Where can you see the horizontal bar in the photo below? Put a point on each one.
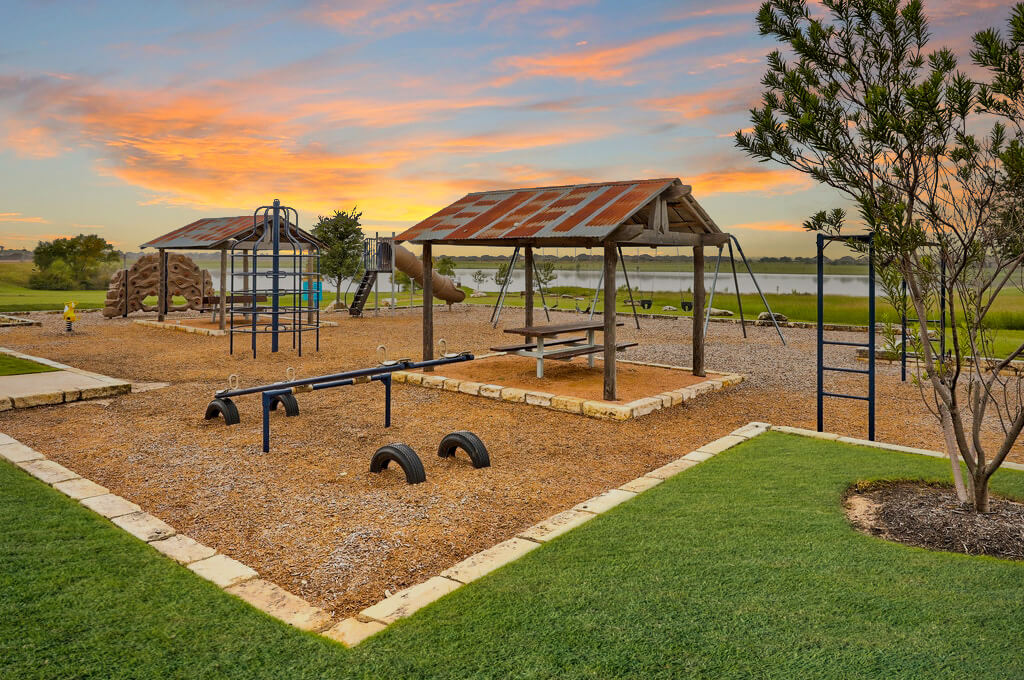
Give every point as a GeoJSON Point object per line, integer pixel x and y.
{"type": "Point", "coordinates": [845, 370]}
{"type": "Point", "coordinates": [374, 370]}
{"type": "Point", "coordinates": [844, 396]}
{"type": "Point", "coordinates": [846, 344]}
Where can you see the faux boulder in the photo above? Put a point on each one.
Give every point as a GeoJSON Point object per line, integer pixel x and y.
{"type": "Point", "coordinates": [669, 308]}
{"type": "Point", "coordinates": [767, 316]}
{"type": "Point", "coordinates": [714, 311]}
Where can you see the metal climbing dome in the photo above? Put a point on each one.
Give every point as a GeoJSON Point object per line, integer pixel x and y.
{"type": "Point", "coordinates": [276, 284]}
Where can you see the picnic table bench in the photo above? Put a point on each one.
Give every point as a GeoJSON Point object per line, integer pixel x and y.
{"type": "Point", "coordinates": [548, 337]}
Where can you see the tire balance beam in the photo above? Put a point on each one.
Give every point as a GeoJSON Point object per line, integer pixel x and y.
{"type": "Point", "coordinates": [283, 393]}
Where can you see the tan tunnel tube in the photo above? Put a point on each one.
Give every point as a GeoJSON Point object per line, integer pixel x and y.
{"type": "Point", "coordinates": [444, 288]}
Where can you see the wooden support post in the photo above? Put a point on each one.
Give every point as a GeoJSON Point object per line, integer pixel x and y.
{"type": "Point", "coordinates": [698, 309]}
{"type": "Point", "coordinates": [161, 302]}
{"type": "Point", "coordinates": [428, 305]}
{"type": "Point", "coordinates": [610, 260]}
{"type": "Point", "coordinates": [223, 287]}
{"type": "Point", "coordinates": [528, 286]}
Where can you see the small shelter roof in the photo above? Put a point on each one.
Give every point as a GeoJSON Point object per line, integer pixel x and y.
{"type": "Point", "coordinates": [651, 212]}
{"type": "Point", "coordinates": [215, 233]}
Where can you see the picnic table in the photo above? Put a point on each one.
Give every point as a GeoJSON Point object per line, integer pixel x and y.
{"type": "Point", "coordinates": [549, 344]}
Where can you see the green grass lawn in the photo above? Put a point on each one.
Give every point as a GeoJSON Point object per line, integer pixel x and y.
{"type": "Point", "coordinates": [10, 365]}
{"type": "Point", "coordinates": [741, 567]}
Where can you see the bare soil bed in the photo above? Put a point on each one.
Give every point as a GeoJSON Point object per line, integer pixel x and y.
{"type": "Point", "coordinates": [572, 379]}
{"type": "Point", "coordinates": [310, 516]}
{"type": "Point", "coordinates": [931, 516]}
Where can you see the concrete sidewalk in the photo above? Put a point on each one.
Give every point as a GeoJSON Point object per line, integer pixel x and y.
{"type": "Point", "coordinates": [66, 384]}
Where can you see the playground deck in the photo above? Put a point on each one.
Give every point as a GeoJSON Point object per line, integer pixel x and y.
{"type": "Point", "coordinates": [311, 518]}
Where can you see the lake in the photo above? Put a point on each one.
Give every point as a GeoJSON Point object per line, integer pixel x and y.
{"type": "Point", "coordinates": [835, 284]}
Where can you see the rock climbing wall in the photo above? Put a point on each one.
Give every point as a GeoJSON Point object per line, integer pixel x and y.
{"type": "Point", "coordinates": [184, 278]}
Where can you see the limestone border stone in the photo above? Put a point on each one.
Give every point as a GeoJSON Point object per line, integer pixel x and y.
{"type": "Point", "coordinates": [569, 404]}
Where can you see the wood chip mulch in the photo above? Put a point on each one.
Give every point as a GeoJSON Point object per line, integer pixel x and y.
{"type": "Point", "coordinates": [930, 516]}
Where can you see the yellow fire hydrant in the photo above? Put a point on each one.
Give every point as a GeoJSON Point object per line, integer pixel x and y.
{"type": "Point", "coordinates": [70, 316]}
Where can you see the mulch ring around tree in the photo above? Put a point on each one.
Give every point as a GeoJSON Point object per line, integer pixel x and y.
{"type": "Point", "coordinates": [929, 515]}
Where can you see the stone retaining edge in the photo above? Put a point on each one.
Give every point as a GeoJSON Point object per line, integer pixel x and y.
{"type": "Point", "coordinates": [576, 405]}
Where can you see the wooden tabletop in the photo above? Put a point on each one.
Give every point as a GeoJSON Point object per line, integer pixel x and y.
{"type": "Point", "coordinates": [558, 329]}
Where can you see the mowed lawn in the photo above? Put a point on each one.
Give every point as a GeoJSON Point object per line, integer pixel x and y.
{"type": "Point", "coordinates": [743, 566]}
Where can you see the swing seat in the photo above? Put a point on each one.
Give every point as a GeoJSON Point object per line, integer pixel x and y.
{"type": "Point", "coordinates": [686, 305]}
{"type": "Point", "coordinates": [647, 304]}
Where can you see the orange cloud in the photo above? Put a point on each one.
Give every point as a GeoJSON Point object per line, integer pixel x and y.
{"type": "Point", "coordinates": [745, 180]}
{"type": "Point", "coordinates": [768, 226]}
{"type": "Point", "coordinates": [608, 63]}
{"type": "Point", "coordinates": [18, 217]}
{"type": "Point", "coordinates": [703, 104]}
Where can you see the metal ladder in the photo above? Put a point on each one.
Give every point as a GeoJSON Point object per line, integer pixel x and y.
{"type": "Point", "coordinates": [823, 240]}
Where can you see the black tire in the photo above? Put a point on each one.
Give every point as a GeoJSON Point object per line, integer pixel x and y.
{"type": "Point", "coordinates": [290, 403]}
{"type": "Point", "coordinates": [468, 442]}
{"type": "Point", "coordinates": [406, 458]}
{"type": "Point", "coordinates": [223, 407]}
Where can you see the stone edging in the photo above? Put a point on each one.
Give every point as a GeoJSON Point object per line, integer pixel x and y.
{"type": "Point", "coordinates": [229, 574]}
{"type": "Point", "coordinates": [111, 387]}
{"type": "Point", "coordinates": [574, 405]}
{"type": "Point", "coordinates": [832, 436]}
{"type": "Point", "coordinates": [198, 330]}
{"type": "Point", "coordinates": [8, 320]}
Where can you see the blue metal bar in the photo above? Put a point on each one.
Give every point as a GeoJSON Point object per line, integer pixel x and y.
{"type": "Point", "coordinates": [275, 281]}
{"type": "Point", "coordinates": [821, 331]}
{"type": "Point", "coordinates": [362, 372]}
{"type": "Point", "coordinates": [871, 339]}
{"type": "Point", "coordinates": [862, 371]}
{"type": "Point", "coordinates": [848, 396]}
{"type": "Point", "coordinates": [386, 379]}
{"type": "Point", "coordinates": [844, 343]}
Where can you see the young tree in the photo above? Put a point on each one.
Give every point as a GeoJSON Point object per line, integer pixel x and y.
{"type": "Point", "coordinates": [478, 278]}
{"type": "Point", "coordinates": [546, 272]}
{"type": "Point", "coordinates": [501, 274]}
{"type": "Point", "coordinates": [864, 108]}
{"type": "Point", "coordinates": [343, 256]}
{"type": "Point", "coordinates": [445, 265]}
{"type": "Point", "coordinates": [402, 279]}
{"type": "Point", "coordinates": [85, 261]}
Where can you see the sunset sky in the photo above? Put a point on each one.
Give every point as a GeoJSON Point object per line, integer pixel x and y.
{"type": "Point", "coordinates": [131, 119]}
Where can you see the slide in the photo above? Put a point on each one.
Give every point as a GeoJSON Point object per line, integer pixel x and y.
{"type": "Point", "coordinates": [444, 288]}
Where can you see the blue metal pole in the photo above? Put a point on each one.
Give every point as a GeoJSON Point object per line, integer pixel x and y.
{"type": "Point", "coordinates": [266, 422]}
{"type": "Point", "coordinates": [386, 379]}
{"type": "Point", "coordinates": [275, 282]}
{"type": "Point", "coordinates": [871, 338]}
{"type": "Point", "coordinates": [821, 331]}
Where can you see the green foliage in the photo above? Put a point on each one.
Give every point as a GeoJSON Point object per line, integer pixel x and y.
{"type": "Point", "coordinates": [501, 274]}
{"type": "Point", "coordinates": [80, 263]}
{"type": "Point", "coordinates": [479, 277]}
{"type": "Point", "coordinates": [445, 265]}
{"type": "Point", "coordinates": [546, 272]}
{"type": "Point", "coordinates": [402, 279]}
{"type": "Point", "coordinates": [342, 258]}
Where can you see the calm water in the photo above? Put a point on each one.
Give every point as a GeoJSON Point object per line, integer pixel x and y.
{"type": "Point", "coordinates": [836, 284]}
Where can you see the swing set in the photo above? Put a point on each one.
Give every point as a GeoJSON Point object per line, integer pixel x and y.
{"type": "Point", "coordinates": [647, 302]}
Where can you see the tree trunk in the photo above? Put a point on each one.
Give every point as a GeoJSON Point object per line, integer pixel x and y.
{"type": "Point", "coordinates": [337, 295]}
{"type": "Point", "coordinates": [980, 492]}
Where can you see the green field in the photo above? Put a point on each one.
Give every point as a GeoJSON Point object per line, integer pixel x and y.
{"type": "Point", "coordinates": [741, 567]}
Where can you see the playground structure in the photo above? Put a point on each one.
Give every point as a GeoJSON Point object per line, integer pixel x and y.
{"type": "Point", "coordinates": [179, 275]}
{"type": "Point", "coordinates": [381, 255]}
{"type": "Point", "coordinates": [609, 215]}
{"type": "Point", "coordinates": [283, 393]}
{"type": "Point", "coordinates": [277, 252]}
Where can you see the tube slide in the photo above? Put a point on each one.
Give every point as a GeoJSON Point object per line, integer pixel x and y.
{"type": "Point", "coordinates": [444, 288]}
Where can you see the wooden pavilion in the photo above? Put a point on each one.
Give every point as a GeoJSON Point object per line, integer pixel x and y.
{"type": "Point", "coordinates": [651, 212]}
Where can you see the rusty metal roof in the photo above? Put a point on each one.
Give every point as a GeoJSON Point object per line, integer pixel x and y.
{"type": "Point", "coordinates": [584, 212]}
{"type": "Point", "coordinates": [211, 233]}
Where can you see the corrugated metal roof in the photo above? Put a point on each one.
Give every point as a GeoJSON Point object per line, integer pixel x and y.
{"type": "Point", "coordinates": [209, 233]}
{"type": "Point", "coordinates": [584, 211]}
